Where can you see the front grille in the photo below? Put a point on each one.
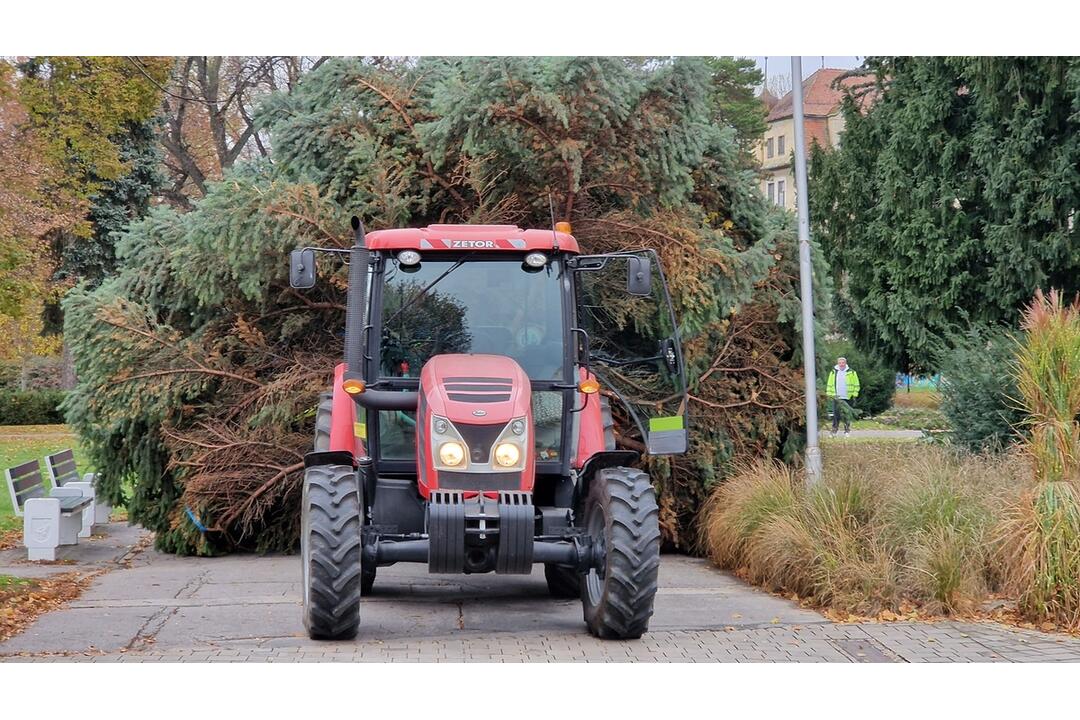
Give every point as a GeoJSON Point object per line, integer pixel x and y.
{"type": "Point", "coordinates": [479, 481]}
{"type": "Point", "coordinates": [479, 439]}
{"type": "Point", "coordinates": [478, 389]}
{"type": "Point", "coordinates": [486, 398]}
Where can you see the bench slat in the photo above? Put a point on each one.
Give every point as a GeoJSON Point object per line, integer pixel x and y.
{"type": "Point", "coordinates": [64, 476]}
{"type": "Point", "coordinates": [27, 482]}
{"type": "Point", "coordinates": [62, 465]}
{"type": "Point", "coordinates": [62, 457]}
{"type": "Point", "coordinates": [30, 468]}
{"type": "Point", "coordinates": [34, 492]}
{"type": "Point", "coordinates": [72, 503]}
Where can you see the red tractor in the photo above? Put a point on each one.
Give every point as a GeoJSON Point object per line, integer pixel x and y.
{"type": "Point", "coordinates": [466, 428]}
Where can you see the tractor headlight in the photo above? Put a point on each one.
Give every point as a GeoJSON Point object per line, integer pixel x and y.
{"type": "Point", "coordinates": [452, 454]}
{"type": "Point", "coordinates": [507, 454]}
{"type": "Point", "coordinates": [536, 260]}
{"type": "Point", "coordinates": [408, 257]}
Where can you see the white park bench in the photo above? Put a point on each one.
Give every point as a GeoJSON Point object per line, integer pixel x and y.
{"type": "Point", "coordinates": [50, 518]}
{"type": "Point", "coordinates": [62, 472]}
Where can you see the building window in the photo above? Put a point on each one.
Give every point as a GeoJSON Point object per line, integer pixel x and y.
{"type": "Point", "coordinates": [780, 146]}
{"type": "Point", "coordinates": [781, 196]}
{"type": "Point", "coordinates": [768, 148]}
{"type": "Point", "coordinates": [772, 192]}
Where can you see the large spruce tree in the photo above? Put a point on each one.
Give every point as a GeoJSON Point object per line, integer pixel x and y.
{"type": "Point", "coordinates": [199, 368]}
{"type": "Point", "coordinates": [952, 198]}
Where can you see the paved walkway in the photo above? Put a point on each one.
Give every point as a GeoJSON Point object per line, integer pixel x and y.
{"type": "Point", "coordinates": [874, 435]}
{"type": "Point", "coordinates": [151, 607]}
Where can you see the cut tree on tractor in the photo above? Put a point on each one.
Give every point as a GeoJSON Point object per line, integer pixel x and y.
{"type": "Point", "coordinates": [467, 429]}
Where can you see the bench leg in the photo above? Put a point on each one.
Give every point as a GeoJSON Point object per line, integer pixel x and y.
{"type": "Point", "coordinates": [87, 528]}
{"type": "Point", "coordinates": [86, 490]}
{"type": "Point", "coordinates": [70, 528]}
{"type": "Point", "coordinates": [102, 512]}
{"type": "Point", "coordinates": [41, 528]}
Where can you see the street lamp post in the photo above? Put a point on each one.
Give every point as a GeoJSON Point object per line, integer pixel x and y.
{"type": "Point", "coordinates": [813, 452]}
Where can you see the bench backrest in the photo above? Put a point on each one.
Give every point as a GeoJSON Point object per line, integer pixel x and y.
{"type": "Point", "coordinates": [25, 482]}
{"type": "Point", "coordinates": [62, 468]}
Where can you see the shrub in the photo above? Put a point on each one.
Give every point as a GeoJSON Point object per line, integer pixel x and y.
{"type": "Point", "coordinates": [978, 391]}
{"type": "Point", "coordinates": [39, 373]}
{"type": "Point", "coordinates": [890, 522]}
{"type": "Point", "coordinates": [734, 516]}
{"type": "Point", "coordinates": [1041, 536]}
{"type": "Point", "coordinates": [33, 407]}
{"type": "Point", "coordinates": [876, 380]}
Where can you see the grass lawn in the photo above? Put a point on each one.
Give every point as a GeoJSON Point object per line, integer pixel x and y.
{"type": "Point", "coordinates": [917, 398]}
{"type": "Point", "coordinates": [19, 443]}
{"type": "Point", "coordinates": [915, 410]}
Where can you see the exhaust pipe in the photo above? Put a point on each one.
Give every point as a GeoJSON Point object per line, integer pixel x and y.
{"type": "Point", "coordinates": [354, 304]}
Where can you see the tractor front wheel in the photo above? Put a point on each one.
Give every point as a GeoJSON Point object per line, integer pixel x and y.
{"type": "Point", "coordinates": [622, 520]}
{"type": "Point", "coordinates": [330, 551]}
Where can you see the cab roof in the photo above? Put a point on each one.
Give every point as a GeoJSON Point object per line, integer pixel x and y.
{"type": "Point", "coordinates": [470, 237]}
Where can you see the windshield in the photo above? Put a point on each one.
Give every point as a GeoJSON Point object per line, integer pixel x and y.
{"type": "Point", "coordinates": [480, 306]}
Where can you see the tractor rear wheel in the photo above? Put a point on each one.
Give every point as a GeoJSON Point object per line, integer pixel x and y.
{"type": "Point", "coordinates": [322, 421]}
{"type": "Point", "coordinates": [608, 421]}
{"type": "Point", "coordinates": [621, 516]}
{"type": "Point", "coordinates": [330, 551]}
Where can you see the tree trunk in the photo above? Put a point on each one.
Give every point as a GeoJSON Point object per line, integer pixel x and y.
{"type": "Point", "coordinates": [67, 369]}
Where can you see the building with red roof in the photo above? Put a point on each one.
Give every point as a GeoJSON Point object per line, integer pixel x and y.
{"type": "Point", "coordinates": [823, 94]}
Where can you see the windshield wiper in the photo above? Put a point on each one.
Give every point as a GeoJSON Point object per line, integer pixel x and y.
{"type": "Point", "coordinates": [423, 291]}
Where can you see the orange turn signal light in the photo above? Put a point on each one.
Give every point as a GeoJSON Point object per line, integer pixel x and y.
{"type": "Point", "coordinates": [589, 386]}
{"type": "Point", "coordinates": [563, 227]}
{"type": "Point", "coordinates": [353, 387]}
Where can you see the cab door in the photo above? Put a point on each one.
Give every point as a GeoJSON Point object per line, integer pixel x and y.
{"type": "Point", "coordinates": [628, 337]}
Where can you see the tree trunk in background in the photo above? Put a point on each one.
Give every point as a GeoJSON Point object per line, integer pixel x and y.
{"type": "Point", "coordinates": [67, 371]}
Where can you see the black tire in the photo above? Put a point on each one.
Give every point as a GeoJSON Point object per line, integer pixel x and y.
{"type": "Point", "coordinates": [322, 422]}
{"type": "Point", "coordinates": [562, 582]}
{"type": "Point", "coordinates": [608, 422]}
{"type": "Point", "coordinates": [330, 552]}
{"type": "Point", "coordinates": [621, 512]}
{"type": "Point", "coordinates": [322, 444]}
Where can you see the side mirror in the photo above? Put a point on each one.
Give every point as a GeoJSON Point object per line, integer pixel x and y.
{"type": "Point", "coordinates": [302, 269]}
{"type": "Point", "coordinates": [639, 276]}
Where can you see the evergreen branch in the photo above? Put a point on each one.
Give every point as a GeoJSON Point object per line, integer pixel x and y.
{"type": "Point", "coordinates": [183, 371]}
{"type": "Point", "coordinates": [429, 169]}
{"type": "Point", "coordinates": [227, 519]}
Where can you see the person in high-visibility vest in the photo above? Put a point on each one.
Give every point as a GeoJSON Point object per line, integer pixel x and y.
{"type": "Point", "coordinates": [843, 386]}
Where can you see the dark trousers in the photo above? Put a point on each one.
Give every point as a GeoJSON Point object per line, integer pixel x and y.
{"type": "Point", "coordinates": [841, 407]}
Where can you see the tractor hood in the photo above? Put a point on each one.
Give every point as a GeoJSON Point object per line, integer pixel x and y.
{"type": "Point", "coordinates": [475, 389]}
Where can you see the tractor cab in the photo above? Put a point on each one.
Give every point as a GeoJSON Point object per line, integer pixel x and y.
{"type": "Point", "coordinates": [471, 425]}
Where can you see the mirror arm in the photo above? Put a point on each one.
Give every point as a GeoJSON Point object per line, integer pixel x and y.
{"type": "Point", "coordinates": [335, 251]}
{"type": "Point", "coordinates": [586, 352]}
{"type": "Point", "coordinates": [622, 363]}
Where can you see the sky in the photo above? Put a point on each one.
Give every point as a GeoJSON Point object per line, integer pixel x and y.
{"type": "Point", "coordinates": [781, 64]}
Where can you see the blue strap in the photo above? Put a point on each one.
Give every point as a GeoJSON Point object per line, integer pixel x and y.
{"type": "Point", "coordinates": [194, 520]}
